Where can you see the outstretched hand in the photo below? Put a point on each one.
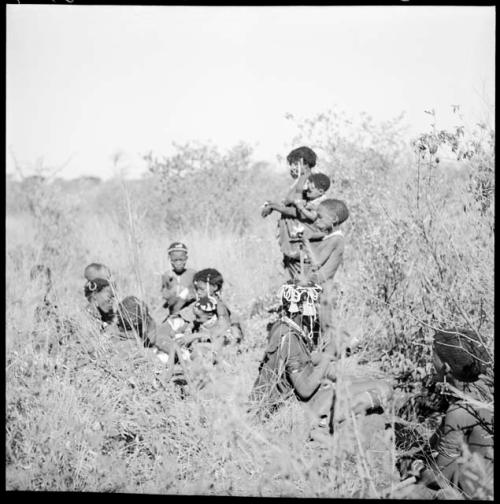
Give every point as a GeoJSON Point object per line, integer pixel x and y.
{"type": "Point", "coordinates": [266, 211]}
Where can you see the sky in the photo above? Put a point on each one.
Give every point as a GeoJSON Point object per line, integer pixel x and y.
{"type": "Point", "coordinates": [87, 82]}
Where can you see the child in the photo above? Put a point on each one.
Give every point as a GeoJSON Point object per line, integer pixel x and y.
{"type": "Point", "coordinates": [197, 341]}
{"type": "Point", "coordinates": [208, 282]}
{"type": "Point", "coordinates": [209, 329]}
{"type": "Point", "coordinates": [303, 210]}
{"type": "Point", "coordinates": [177, 284]}
{"type": "Point", "coordinates": [301, 161]}
{"type": "Point", "coordinates": [324, 256]}
{"type": "Point", "coordinates": [316, 187]}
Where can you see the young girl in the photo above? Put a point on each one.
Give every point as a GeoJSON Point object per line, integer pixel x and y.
{"type": "Point", "coordinates": [177, 284]}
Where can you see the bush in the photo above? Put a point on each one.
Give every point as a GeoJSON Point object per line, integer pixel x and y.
{"type": "Point", "coordinates": [202, 188]}
{"type": "Point", "coordinates": [419, 256]}
{"type": "Point", "coordinates": [419, 252]}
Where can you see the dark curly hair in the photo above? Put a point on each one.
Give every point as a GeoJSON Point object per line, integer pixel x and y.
{"type": "Point", "coordinates": [320, 181]}
{"type": "Point", "coordinates": [133, 314]}
{"type": "Point", "coordinates": [307, 155]}
{"type": "Point", "coordinates": [210, 275]}
{"type": "Point", "coordinates": [337, 209]}
{"type": "Point", "coordinates": [463, 352]}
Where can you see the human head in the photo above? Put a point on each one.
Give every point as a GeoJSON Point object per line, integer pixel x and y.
{"type": "Point", "coordinates": [317, 185]}
{"type": "Point", "coordinates": [459, 354]}
{"type": "Point", "coordinates": [133, 314]}
{"type": "Point", "coordinates": [97, 270]}
{"type": "Point", "coordinates": [331, 212]}
{"type": "Point", "coordinates": [300, 155]}
{"type": "Point", "coordinates": [297, 298]}
{"type": "Point", "coordinates": [205, 309]}
{"type": "Point", "coordinates": [207, 282]}
{"type": "Point", "coordinates": [178, 254]}
{"type": "Point", "coordinates": [41, 275]}
{"type": "Point", "coordinates": [100, 292]}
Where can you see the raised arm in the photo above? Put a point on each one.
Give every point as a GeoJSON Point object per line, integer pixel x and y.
{"type": "Point", "coordinates": [287, 211]}
{"type": "Point", "coordinates": [298, 187]}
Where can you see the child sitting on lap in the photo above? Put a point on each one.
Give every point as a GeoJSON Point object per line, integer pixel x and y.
{"type": "Point", "coordinates": [208, 283]}
{"type": "Point", "coordinates": [208, 329]}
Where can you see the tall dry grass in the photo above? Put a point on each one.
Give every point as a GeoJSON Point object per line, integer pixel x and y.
{"type": "Point", "coordinates": [81, 416]}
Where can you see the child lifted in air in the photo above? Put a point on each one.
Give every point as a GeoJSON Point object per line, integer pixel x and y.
{"type": "Point", "coordinates": [177, 285]}
{"type": "Point", "coordinates": [298, 214]}
{"type": "Point", "coordinates": [304, 207]}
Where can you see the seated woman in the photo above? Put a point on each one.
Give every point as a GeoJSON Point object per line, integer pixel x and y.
{"type": "Point", "coordinates": [464, 441]}
{"type": "Point", "coordinates": [291, 366]}
{"type": "Point", "coordinates": [204, 335]}
{"type": "Point", "coordinates": [101, 301]}
{"type": "Point", "coordinates": [208, 283]}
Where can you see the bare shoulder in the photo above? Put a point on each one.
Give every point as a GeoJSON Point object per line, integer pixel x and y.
{"type": "Point", "coordinates": [334, 241]}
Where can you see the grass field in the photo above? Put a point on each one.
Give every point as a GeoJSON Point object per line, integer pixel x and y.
{"type": "Point", "coordinates": [104, 423]}
{"type": "Point", "coordinates": [84, 417]}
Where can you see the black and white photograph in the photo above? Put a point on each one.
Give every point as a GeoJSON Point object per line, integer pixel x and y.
{"type": "Point", "coordinates": [250, 250]}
